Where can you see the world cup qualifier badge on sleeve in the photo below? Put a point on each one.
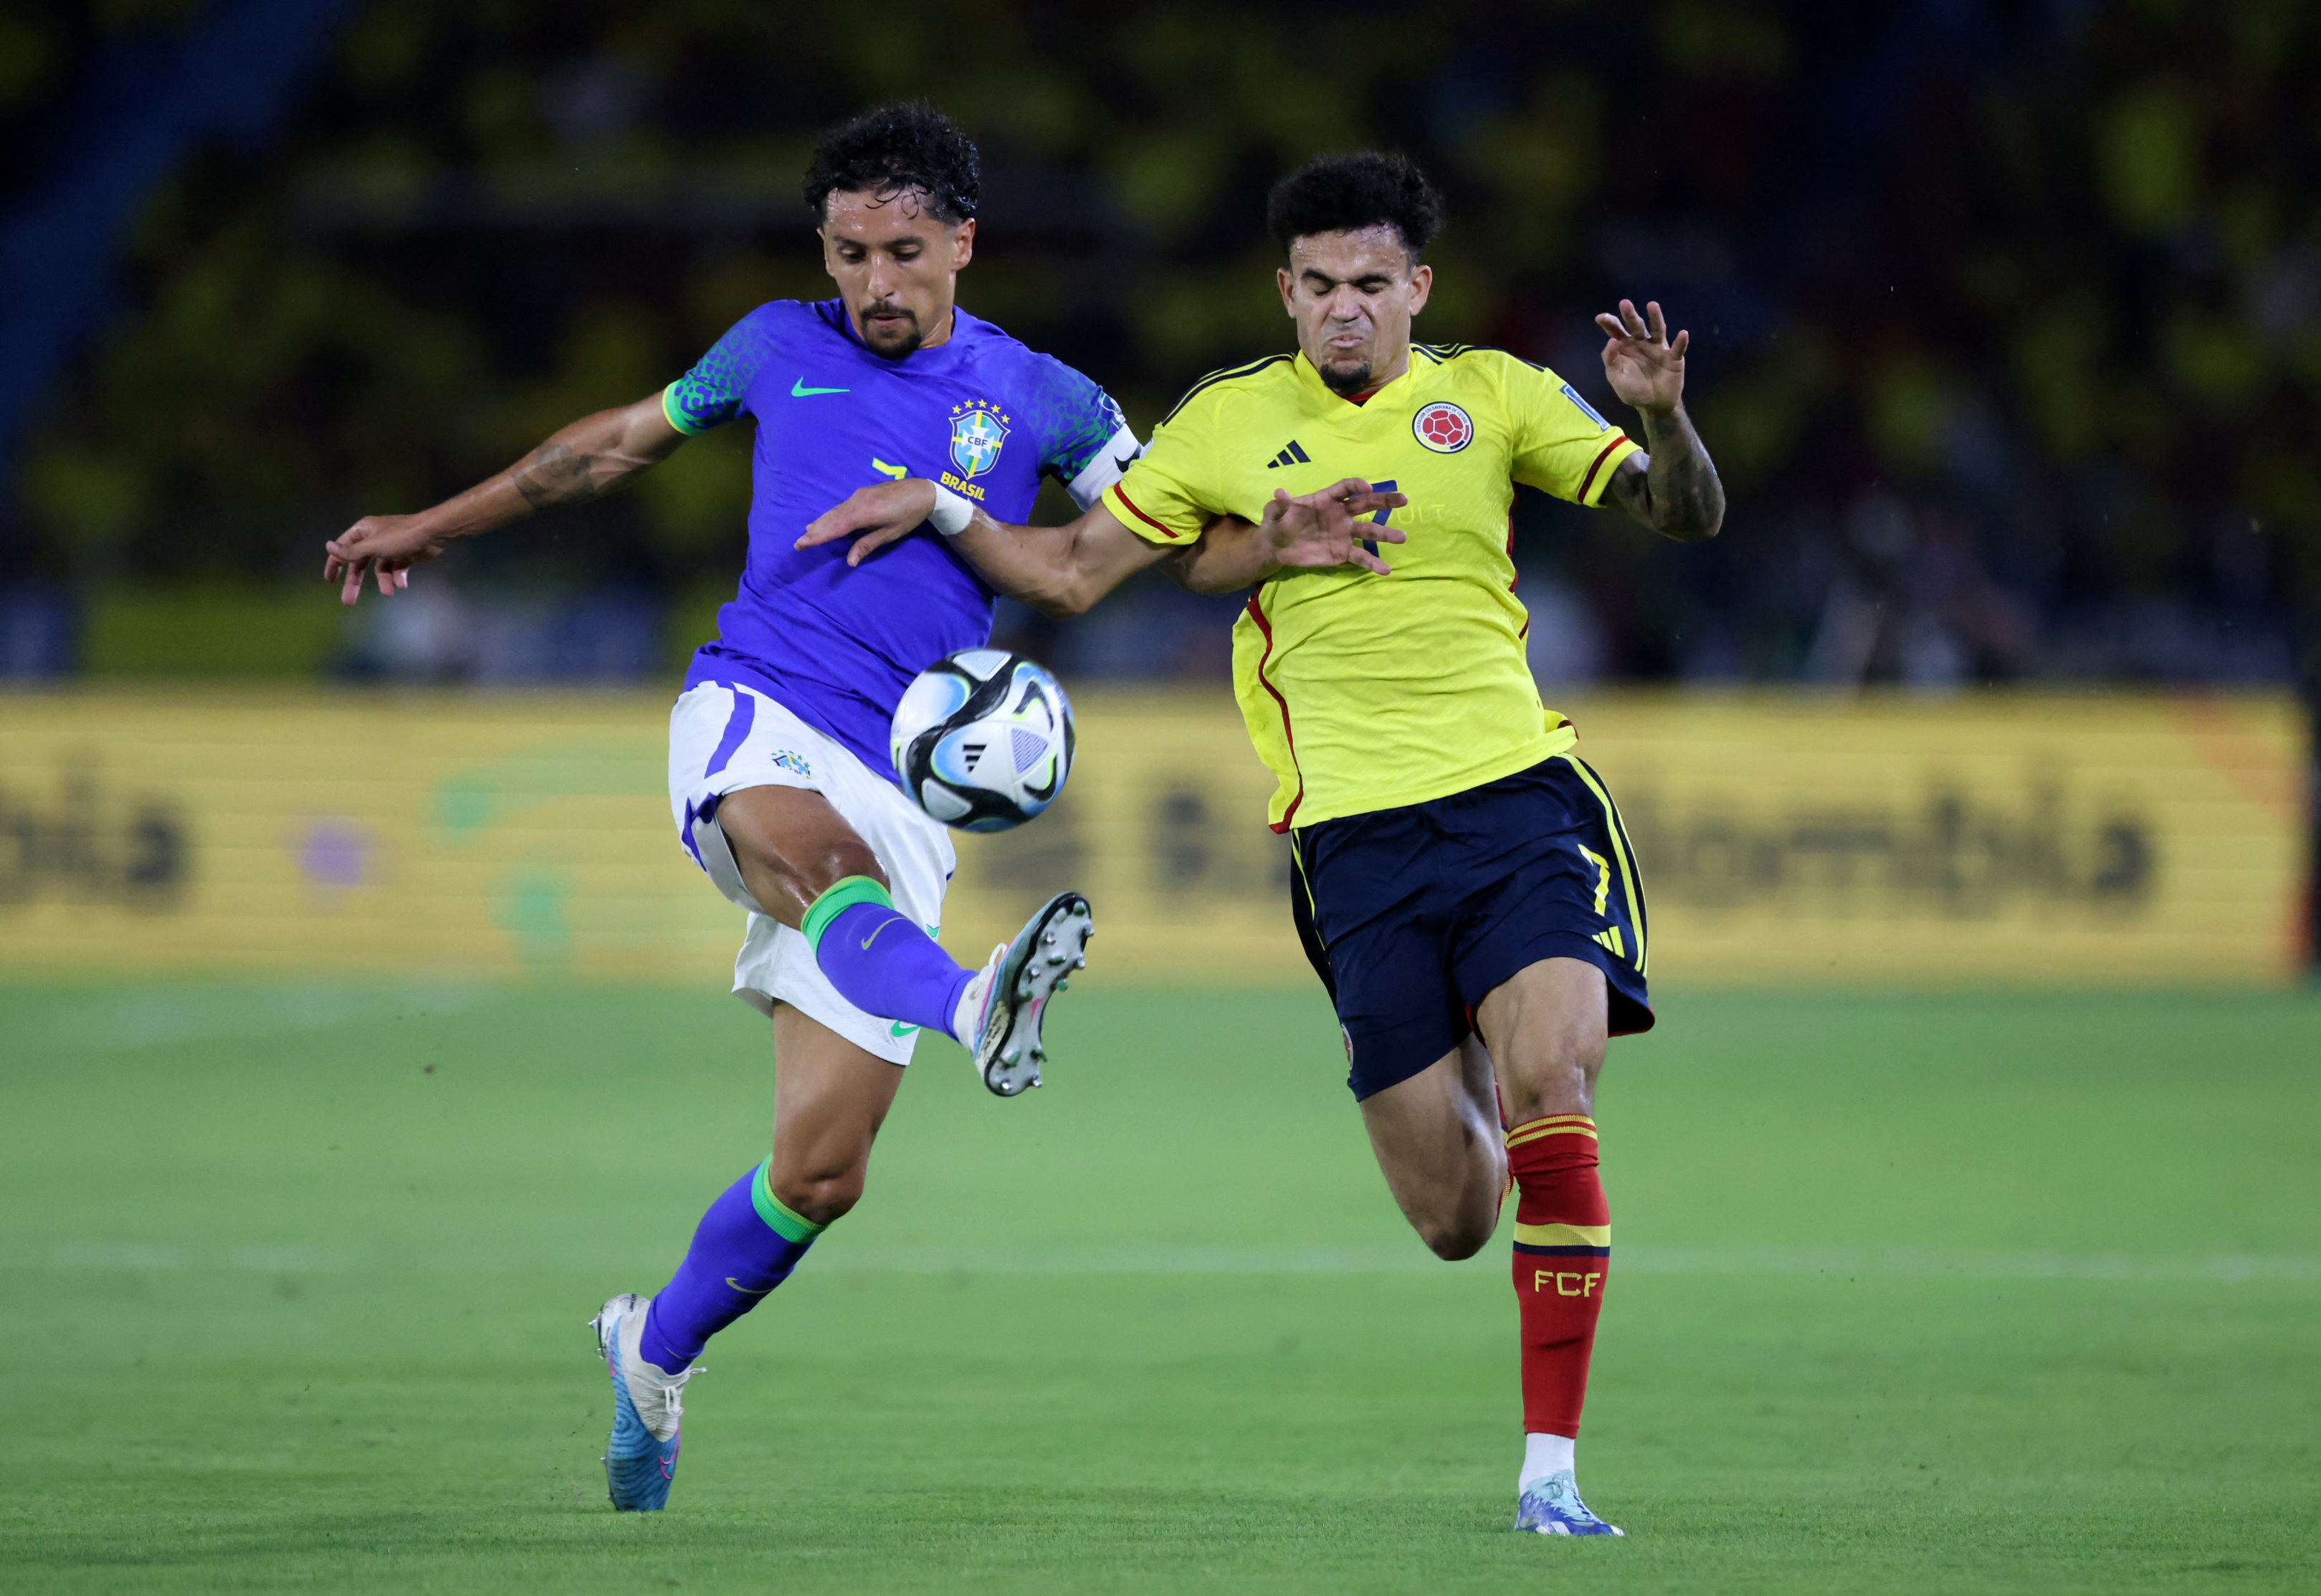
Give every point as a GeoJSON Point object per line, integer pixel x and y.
{"type": "Point", "coordinates": [978, 431]}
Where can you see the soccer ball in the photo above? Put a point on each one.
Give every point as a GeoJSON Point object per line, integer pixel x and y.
{"type": "Point", "coordinates": [983, 740]}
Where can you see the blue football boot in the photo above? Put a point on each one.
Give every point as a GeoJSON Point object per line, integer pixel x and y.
{"type": "Point", "coordinates": [1552, 1505]}
{"type": "Point", "coordinates": [647, 1404]}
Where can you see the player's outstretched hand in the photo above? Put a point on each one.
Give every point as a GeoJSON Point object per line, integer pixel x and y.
{"type": "Point", "coordinates": [882, 514]}
{"type": "Point", "coordinates": [1644, 366]}
{"type": "Point", "coordinates": [380, 548]}
{"type": "Point", "coordinates": [1324, 527]}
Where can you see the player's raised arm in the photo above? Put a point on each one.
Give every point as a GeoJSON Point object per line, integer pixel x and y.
{"type": "Point", "coordinates": [1063, 570]}
{"type": "Point", "coordinates": [1673, 487]}
{"type": "Point", "coordinates": [1302, 531]}
{"type": "Point", "coordinates": [1058, 570]}
{"type": "Point", "coordinates": [584, 461]}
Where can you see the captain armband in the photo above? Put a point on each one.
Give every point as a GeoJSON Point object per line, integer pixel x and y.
{"type": "Point", "coordinates": [951, 512]}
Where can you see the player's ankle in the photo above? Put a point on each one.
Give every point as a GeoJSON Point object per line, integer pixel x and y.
{"type": "Point", "coordinates": [1546, 1456]}
{"type": "Point", "coordinates": [967, 1007]}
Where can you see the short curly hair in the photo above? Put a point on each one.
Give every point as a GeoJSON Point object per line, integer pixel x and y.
{"type": "Point", "coordinates": [1342, 193]}
{"type": "Point", "coordinates": [900, 148]}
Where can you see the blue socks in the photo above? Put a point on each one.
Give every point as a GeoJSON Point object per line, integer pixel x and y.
{"type": "Point", "coordinates": [880, 961]}
{"type": "Point", "coordinates": [748, 1242]}
{"type": "Point", "coordinates": [746, 1245]}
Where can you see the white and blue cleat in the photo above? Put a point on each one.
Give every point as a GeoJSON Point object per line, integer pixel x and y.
{"type": "Point", "coordinates": [648, 1406]}
{"type": "Point", "coordinates": [1002, 1008]}
{"type": "Point", "coordinates": [1552, 1507]}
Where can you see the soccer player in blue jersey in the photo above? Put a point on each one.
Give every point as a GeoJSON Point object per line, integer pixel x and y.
{"type": "Point", "coordinates": [779, 781]}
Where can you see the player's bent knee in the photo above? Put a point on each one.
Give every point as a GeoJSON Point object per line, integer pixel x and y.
{"type": "Point", "coordinates": [819, 1197]}
{"type": "Point", "coordinates": [1460, 1229]}
{"type": "Point", "coordinates": [805, 869]}
{"type": "Point", "coordinates": [790, 845]}
{"type": "Point", "coordinates": [1455, 1240]}
{"type": "Point", "coordinates": [1563, 1085]}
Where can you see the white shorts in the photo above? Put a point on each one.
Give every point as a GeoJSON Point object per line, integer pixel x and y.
{"type": "Point", "coordinates": [723, 739]}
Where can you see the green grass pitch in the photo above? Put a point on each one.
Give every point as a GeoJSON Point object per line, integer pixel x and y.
{"type": "Point", "coordinates": [1909, 1294]}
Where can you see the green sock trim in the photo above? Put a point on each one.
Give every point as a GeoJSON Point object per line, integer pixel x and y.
{"type": "Point", "coordinates": [778, 1214]}
{"type": "Point", "coordinates": [837, 898]}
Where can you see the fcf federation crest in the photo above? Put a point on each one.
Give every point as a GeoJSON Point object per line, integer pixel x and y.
{"type": "Point", "coordinates": [978, 432]}
{"type": "Point", "coordinates": [1444, 427]}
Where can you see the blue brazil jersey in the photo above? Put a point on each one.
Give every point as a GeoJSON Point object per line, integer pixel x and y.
{"type": "Point", "coordinates": [979, 413]}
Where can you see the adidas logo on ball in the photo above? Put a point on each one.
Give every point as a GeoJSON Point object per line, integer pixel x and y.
{"type": "Point", "coordinates": [955, 713]}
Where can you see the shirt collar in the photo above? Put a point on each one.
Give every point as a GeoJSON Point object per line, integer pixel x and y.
{"type": "Point", "coordinates": [1387, 394]}
{"type": "Point", "coordinates": [963, 327]}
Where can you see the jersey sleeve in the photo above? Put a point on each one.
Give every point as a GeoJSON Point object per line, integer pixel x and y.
{"type": "Point", "coordinates": [1562, 446]}
{"type": "Point", "coordinates": [1170, 494]}
{"type": "Point", "coordinates": [1088, 442]}
{"type": "Point", "coordinates": [712, 392]}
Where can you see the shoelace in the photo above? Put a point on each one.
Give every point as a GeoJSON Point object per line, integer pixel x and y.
{"type": "Point", "coordinates": [676, 1389]}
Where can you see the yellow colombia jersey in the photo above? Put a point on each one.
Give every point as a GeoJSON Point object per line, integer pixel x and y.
{"type": "Point", "coordinates": [1365, 692]}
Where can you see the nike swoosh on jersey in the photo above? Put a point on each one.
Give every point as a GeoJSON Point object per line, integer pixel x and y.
{"type": "Point", "coordinates": [744, 1289]}
{"type": "Point", "coordinates": [1124, 461]}
{"type": "Point", "coordinates": [897, 472]}
{"type": "Point", "coordinates": [798, 390]}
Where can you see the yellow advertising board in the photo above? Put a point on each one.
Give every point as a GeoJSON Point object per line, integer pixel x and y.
{"type": "Point", "coordinates": [2040, 839]}
{"type": "Point", "coordinates": [1785, 841]}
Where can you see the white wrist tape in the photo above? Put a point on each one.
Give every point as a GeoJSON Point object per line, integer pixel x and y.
{"type": "Point", "coordinates": [951, 512]}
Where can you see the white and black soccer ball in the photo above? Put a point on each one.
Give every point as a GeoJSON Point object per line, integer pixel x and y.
{"type": "Point", "coordinates": [983, 740]}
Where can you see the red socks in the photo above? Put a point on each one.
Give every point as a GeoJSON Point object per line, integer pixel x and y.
{"type": "Point", "coordinates": [1563, 1252]}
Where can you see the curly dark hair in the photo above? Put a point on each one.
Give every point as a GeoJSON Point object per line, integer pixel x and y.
{"type": "Point", "coordinates": [1342, 193]}
{"type": "Point", "coordinates": [896, 149]}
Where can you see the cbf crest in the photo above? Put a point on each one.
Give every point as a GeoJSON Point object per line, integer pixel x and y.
{"type": "Point", "coordinates": [978, 431]}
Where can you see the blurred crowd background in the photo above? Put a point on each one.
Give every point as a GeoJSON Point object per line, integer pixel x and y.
{"type": "Point", "coordinates": [2007, 313]}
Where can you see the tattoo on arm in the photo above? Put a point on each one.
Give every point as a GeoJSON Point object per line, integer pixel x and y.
{"type": "Point", "coordinates": [1678, 493]}
{"type": "Point", "coordinates": [555, 473]}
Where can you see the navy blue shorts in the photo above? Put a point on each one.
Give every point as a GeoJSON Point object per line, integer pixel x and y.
{"type": "Point", "coordinates": [1412, 916]}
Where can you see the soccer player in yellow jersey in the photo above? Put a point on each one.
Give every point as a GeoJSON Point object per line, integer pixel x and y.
{"type": "Point", "coordinates": [1464, 884]}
